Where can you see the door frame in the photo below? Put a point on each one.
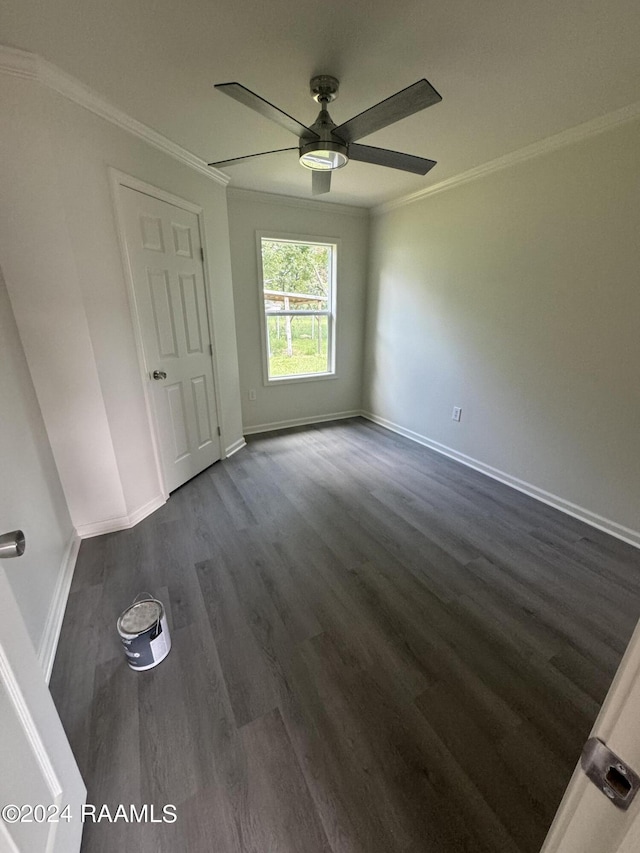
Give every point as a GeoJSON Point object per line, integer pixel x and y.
{"type": "Point", "coordinates": [118, 180]}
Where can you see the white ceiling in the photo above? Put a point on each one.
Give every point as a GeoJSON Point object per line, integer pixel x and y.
{"type": "Point", "coordinates": [510, 73]}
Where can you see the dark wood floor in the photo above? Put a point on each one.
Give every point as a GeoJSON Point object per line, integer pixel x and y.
{"type": "Point", "coordinates": [375, 650]}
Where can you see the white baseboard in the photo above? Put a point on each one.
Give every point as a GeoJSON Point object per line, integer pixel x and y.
{"type": "Point", "coordinates": [579, 512]}
{"type": "Point", "coordinates": [235, 447]}
{"type": "Point", "coordinates": [123, 522]}
{"type": "Point", "coordinates": [53, 625]}
{"type": "Point", "coordinates": [294, 422]}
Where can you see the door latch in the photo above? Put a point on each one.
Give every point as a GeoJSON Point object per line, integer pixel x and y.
{"type": "Point", "coordinates": [609, 773]}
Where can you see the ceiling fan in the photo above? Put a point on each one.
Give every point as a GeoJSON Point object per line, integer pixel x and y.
{"type": "Point", "coordinates": [325, 146]}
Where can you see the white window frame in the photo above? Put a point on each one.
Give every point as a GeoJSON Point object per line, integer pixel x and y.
{"type": "Point", "coordinates": [330, 312]}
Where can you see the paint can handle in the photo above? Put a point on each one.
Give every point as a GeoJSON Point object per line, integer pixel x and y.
{"type": "Point", "coordinates": [148, 595]}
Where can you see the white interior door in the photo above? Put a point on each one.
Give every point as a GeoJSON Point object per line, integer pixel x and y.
{"type": "Point", "coordinates": [165, 257]}
{"type": "Point", "coordinates": [39, 777]}
{"type": "Point", "coordinates": [587, 822]}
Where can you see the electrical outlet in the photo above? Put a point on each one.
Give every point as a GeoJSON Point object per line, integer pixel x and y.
{"type": "Point", "coordinates": [457, 413]}
{"type": "Point", "coordinates": [252, 394]}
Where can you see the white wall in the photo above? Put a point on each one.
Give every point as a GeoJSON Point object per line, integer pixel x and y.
{"type": "Point", "coordinates": [64, 275]}
{"type": "Point", "coordinates": [517, 297]}
{"type": "Point", "coordinates": [44, 288]}
{"type": "Point", "coordinates": [304, 401]}
{"type": "Point", "coordinates": [31, 496]}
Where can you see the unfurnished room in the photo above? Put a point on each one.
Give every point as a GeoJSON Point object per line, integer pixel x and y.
{"type": "Point", "coordinates": [319, 433]}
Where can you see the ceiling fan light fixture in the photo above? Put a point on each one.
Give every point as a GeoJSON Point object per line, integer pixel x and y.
{"type": "Point", "coordinates": [323, 156]}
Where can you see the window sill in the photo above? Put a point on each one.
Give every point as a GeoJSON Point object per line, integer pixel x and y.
{"type": "Point", "coordinates": [310, 377]}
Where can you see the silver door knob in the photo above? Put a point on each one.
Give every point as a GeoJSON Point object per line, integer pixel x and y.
{"type": "Point", "coordinates": [12, 544]}
{"type": "Point", "coordinates": [159, 374]}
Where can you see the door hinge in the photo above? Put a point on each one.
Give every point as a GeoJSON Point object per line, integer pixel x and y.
{"type": "Point", "coordinates": [219, 431]}
{"type": "Point", "coordinates": [609, 773]}
{"type": "Point", "coordinates": [210, 349]}
{"type": "Point", "coordinates": [201, 254]}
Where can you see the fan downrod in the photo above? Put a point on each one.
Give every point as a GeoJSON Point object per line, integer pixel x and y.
{"type": "Point", "coordinates": [324, 88]}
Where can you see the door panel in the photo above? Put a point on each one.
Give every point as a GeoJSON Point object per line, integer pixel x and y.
{"type": "Point", "coordinates": [151, 233]}
{"type": "Point", "coordinates": [178, 419]}
{"type": "Point", "coordinates": [192, 312]}
{"type": "Point", "coordinates": [201, 405]}
{"type": "Point", "coordinates": [164, 251]}
{"type": "Point", "coordinates": [586, 821]}
{"type": "Point", "coordinates": [38, 768]}
{"type": "Point", "coordinates": [182, 241]}
{"type": "Point", "coordinates": [164, 322]}
{"type": "Point", "coordinates": [30, 786]}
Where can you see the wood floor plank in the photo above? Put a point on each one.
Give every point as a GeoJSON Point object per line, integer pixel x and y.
{"type": "Point", "coordinates": [240, 514]}
{"type": "Point", "coordinates": [73, 677]}
{"type": "Point", "coordinates": [206, 822]}
{"type": "Point", "coordinates": [406, 609]}
{"type": "Point", "coordinates": [342, 756]}
{"type": "Point", "coordinates": [375, 650]}
{"type": "Point", "coordinates": [164, 735]}
{"type": "Point", "coordinates": [291, 602]}
{"type": "Point", "coordinates": [279, 814]}
{"type": "Point", "coordinates": [535, 765]}
{"type": "Point", "coordinates": [212, 816]}
{"type": "Point", "coordinates": [248, 668]}
{"type": "Point", "coordinates": [339, 609]}
{"type": "Point", "coordinates": [574, 626]}
{"type": "Point", "coordinates": [206, 716]}
{"type": "Point", "coordinates": [470, 747]}
{"type": "Point", "coordinates": [112, 771]}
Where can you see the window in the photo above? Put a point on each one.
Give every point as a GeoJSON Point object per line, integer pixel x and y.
{"type": "Point", "coordinates": [298, 299]}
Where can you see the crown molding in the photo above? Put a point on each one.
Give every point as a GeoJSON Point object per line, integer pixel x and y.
{"type": "Point", "coordinates": [291, 201]}
{"type": "Point", "coordinates": [20, 63]}
{"type": "Point", "coordinates": [543, 146]}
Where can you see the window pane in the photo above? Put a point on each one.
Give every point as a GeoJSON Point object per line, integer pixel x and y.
{"type": "Point", "coordinates": [298, 346]}
{"type": "Point", "coordinates": [299, 271]}
{"type": "Point", "coordinates": [297, 276]}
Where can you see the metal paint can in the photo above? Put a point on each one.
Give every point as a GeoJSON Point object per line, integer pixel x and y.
{"type": "Point", "coordinates": [144, 633]}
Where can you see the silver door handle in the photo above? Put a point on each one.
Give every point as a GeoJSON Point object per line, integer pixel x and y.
{"type": "Point", "coordinates": [159, 374]}
{"type": "Point", "coordinates": [12, 544]}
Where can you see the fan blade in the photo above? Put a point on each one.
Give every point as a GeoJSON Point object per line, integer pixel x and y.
{"type": "Point", "coordinates": [320, 182]}
{"type": "Point", "coordinates": [255, 102]}
{"type": "Point", "coordinates": [411, 100]}
{"type": "Point", "coordinates": [248, 157]}
{"type": "Point", "coordinates": [392, 159]}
